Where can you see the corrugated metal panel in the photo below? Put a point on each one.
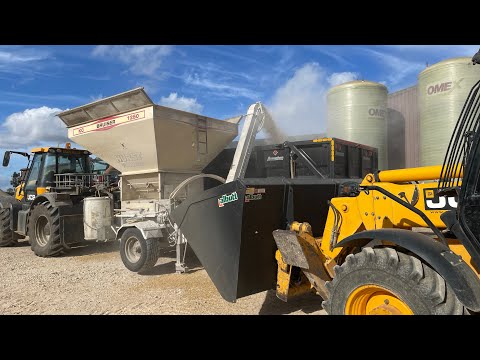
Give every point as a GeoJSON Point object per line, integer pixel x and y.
{"type": "Point", "coordinates": [403, 119]}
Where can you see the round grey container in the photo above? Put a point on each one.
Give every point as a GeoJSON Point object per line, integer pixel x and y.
{"type": "Point", "coordinates": [356, 111]}
{"type": "Point", "coordinates": [97, 218]}
{"type": "Point", "coordinates": [442, 91]}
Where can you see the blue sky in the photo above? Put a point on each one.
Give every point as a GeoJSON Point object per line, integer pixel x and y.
{"type": "Point", "coordinates": [36, 82]}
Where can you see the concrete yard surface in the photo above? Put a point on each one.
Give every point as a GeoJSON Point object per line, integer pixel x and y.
{"type": "Point", "coordinates": [92, 279]}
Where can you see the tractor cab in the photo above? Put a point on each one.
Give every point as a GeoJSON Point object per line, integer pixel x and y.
{"type": "Point", "coordinates": [50, 167]}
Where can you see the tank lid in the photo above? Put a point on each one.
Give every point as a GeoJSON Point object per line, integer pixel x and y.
{"type": "Point", "coordinates": [357, 84]}
{"type": "Point", "coordinates": [457, 60]}
{"type": "Point", "coordinates": [96, 198]}
{"type": "Point", "coordinates": [109, 106]}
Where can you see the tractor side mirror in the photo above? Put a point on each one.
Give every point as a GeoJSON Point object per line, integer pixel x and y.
{"type": "Point", "coordinates": [6, 158]}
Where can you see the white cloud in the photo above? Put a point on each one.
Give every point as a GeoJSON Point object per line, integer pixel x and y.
{"type": "Point", "coordinates": [96, 97]}
{"type": "Point", "coordinates": [33, 127]}
{"type": "Point", "coordinates": [220, 89]}
{"type": "Point", "coordinates": [17, 56]}
{"type": "Point", "coordinates": [445, 51]}
{"type": "Point", "coordinates": [405, 60]}
{"type": "Point", "coordinates": [215, 70]}
{"type": "Point", "coordinates": [298, 106]}
{"type": "Point", "coordinates": [42, 97]}
{"type": "Point", "coordinates": [399, 67]}
{"type": "Point", "coordinates": [19, 60]}
{"type": "Point", "coordinates": [96, 77]}
{"type": "Point", "coordinates": [342, 77]}
{"type": "Point", "coordinates": [141, 59]}
{"type": "Point", "coordinates": [332, 52]}
{"type": "Point", "coordinates": [231, 52]}
{"type": "Point", "coordinates": [181, 103]}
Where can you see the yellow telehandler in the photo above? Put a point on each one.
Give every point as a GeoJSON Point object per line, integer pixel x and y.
{"type": "Point", "coordinates": [401, 241]}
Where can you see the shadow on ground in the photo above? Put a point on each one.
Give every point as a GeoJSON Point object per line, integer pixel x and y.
{"type": "Point", "coordinates": [92, 248]}
{"type": "Point", "coordinates": [166, 265]}
{"type": "Point", "coordinates": [308, 303]}
{"type": "Point", "coordinates": [22, 243]}
{"type": "Point", "coordinates": [87, 248]}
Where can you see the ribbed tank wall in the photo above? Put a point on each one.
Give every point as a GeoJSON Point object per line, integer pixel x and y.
{"type": "Point", "coordinates": [442, 91]}
{"type": "Point", "coordinates": [356, 111]}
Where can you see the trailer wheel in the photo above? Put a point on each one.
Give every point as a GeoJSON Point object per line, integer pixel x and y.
{"type": "Point", "coordinates": [44, 230]}
{"type": "Point", "coordinates": [383, 281]}
{"type": "Point", "coordinates": [138, 254]}
{"type": "Point", "coordinates": [7, 237]}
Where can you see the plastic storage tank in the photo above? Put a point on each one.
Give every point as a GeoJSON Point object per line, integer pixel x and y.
{"type": "Point", "coordinates": [356, 111]}
{"type": "Point", "coordinates": [442, 91]}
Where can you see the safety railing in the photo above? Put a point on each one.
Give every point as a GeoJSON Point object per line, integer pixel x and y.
{"type": "Point", "coordinates": [70, 181]}
{"type": "Point", "coordinates": [460, 147]}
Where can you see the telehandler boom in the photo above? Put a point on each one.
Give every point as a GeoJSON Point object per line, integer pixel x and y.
{"type": "Point", "coordinates": [401, 241]}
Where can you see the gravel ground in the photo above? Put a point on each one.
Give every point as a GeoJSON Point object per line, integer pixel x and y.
{"type": "Point", "coordinates": [93, 280]}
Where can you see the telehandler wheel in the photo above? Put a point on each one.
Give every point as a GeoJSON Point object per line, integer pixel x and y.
{"type": "Point", "coordinates": [383, 281]}
{"type": "Point", "coordinates": [44, 230]}
{"type": "Point", "coordinates": [7, 236]}
{"type": "Point", "coordinates": [138, 254]}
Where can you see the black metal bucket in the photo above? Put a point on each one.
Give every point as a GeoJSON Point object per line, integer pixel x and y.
{"type": "Point", "coordinates": [230, 227]}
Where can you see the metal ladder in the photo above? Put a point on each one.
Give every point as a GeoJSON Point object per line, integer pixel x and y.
{"type": "Point", "coordinates": [201, 137]}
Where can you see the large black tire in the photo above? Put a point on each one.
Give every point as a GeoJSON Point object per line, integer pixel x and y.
{"type": "Point", "coordinates": [138, 254]}
{"type": "Point", "coordinates": [408, 278]}
{"type": "Point", "coordinates": [44, 230]}
{"type": "Point", "coordinates": [7, 237]}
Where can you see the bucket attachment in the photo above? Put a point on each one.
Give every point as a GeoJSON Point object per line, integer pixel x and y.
{"type": "Point", "coordinates": [229, 227]}
{"type": "Point", "coordinates": [303, 252]}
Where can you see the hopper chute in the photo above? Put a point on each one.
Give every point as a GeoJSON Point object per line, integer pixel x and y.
{"type": "Point", "coordinates": [136, 136]}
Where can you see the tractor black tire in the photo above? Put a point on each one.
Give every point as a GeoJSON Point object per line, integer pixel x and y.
{"type": "Point", "coordinates": [138, 254]}
{"type": "Point", "coordinates": [44, 230]}
{"type": "Point", "coordinates": [412, 281]}
{"type": "Point", "coordinates": [7, 236]}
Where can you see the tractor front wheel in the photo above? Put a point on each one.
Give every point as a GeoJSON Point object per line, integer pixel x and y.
{"type": "Point", "coordinates": [44, 230]}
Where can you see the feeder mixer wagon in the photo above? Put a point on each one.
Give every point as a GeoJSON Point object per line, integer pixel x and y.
{"type": "Point", "coordinates": [160, 153]}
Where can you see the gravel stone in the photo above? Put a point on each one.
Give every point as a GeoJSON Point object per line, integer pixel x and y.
{"type": "Point", "coordinates": [92, 279]}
